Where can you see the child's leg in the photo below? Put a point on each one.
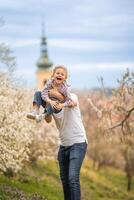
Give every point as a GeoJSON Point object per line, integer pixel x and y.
{"type": "Point", "coordinates": [37, 102]}
{"type": "Point", "coordinates": [49, 109]}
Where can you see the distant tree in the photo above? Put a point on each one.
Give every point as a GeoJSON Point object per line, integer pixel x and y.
{"type": "Point", "coordinates": [128, 155]}
{"type": "Point", "coordinates": [117, 119]}
{"type": "Point", "coordinates": [45, 143]}
{"type": "Point", "coordinates": [20, 139]}
{"type": "Point", "coordinates": [125, 109]}
{"type": "Point", "coordinates": [15, 131]}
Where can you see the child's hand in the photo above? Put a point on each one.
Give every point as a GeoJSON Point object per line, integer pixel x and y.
{"type": "Point", "coordinates": [53, 103]}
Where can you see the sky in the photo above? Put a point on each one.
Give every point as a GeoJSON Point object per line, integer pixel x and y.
{"type": "Point", "coordinates": [92, 38]}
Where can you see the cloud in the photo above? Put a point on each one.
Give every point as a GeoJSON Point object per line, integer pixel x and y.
{"type": "Point", "coordinates": [105, 66]}
{"type": "Point", "coordinates": [20, 43]}
{"type": "Point", "coordinates": [91, 18]}
{"type": "Point", "coordinates": [15, 4]}
{"type": "Point", "coordinates": [24, 72]}
{"type": "Point", "coordinates": [25, 77]}
{"type": "Point", "coordinates": [24, 43]}
{"type": "Point", "coordinates": [77, 31]}
{"type": "Point", "coordinates": [85, 44]}
{"type": "Point", "coordinates": [81, 75]}
{"type": "Point", "coordinates": [70, 44]}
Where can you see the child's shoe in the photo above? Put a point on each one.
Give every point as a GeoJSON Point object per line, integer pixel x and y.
{"type": "Point", "coordinates": [33, 114]}
{"type": "Point", "coordinates": [40, 117]}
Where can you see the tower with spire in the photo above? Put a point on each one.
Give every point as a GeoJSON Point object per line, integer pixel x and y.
{"type": "Point", "coordinates": [44, 65]}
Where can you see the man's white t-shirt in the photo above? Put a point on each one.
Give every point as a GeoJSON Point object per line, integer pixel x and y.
{"type": "Point", "coordinates": [69, 124]}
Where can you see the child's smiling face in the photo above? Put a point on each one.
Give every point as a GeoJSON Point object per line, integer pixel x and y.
{"type": "Point", "coordinates": [60, 76]}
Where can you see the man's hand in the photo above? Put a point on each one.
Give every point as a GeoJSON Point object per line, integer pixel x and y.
{"type": "Point", "coordinates": [52, 103]}
{"type": "Point", "coordinates": [59, 106]}
{"type": "Point", "coordinates": [72, 104]}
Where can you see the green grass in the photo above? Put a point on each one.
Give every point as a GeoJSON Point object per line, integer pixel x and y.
{"type": "Point", "coordinates": [106, 184]}
{"type": "Point", "coordinates": [43, 179]}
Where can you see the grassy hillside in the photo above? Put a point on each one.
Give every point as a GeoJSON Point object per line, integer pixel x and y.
{"type": "Point", "coordinates": [41, 181]}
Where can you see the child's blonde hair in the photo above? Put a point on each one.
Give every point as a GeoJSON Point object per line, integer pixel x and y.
{"type": "Point", "coordinates": [59, 67]}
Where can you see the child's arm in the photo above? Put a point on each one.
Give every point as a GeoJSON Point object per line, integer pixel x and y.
{"type": "Point", "coordinates": [44, 93]}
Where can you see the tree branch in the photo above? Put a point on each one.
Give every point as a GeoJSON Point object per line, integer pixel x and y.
{"type": "Point", "coordinates": [123, 121]}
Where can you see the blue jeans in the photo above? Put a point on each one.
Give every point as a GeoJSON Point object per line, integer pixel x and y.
{"type": "Point", "coordinates": [40, 102]}
{"type": "Point", "coordinates": [70, 160]}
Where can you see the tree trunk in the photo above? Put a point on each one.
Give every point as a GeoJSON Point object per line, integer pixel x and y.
{"type": "Point", "coordinates": [129, 183]}
{"type": "Point", "coordinates": [94, 164]}
{"type": "Point", "coordinates": [99, 166]}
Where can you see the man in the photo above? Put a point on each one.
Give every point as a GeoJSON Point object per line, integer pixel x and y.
{"type": "Point", "coordinates": [73, 146]}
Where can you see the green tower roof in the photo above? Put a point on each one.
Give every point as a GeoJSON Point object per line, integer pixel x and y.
{"type": "Point", "coordinates": [44, 61]}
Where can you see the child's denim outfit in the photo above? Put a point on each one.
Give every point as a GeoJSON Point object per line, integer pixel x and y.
{"type": "Point", "coordinates": [48, 109]}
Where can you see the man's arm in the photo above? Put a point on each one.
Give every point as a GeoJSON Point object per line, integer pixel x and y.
{"type": "Point", "coordinates": [71, 104]}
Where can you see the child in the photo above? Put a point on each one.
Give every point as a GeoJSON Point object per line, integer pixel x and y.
{"type": "Point", "coordinates": [55, 91]}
